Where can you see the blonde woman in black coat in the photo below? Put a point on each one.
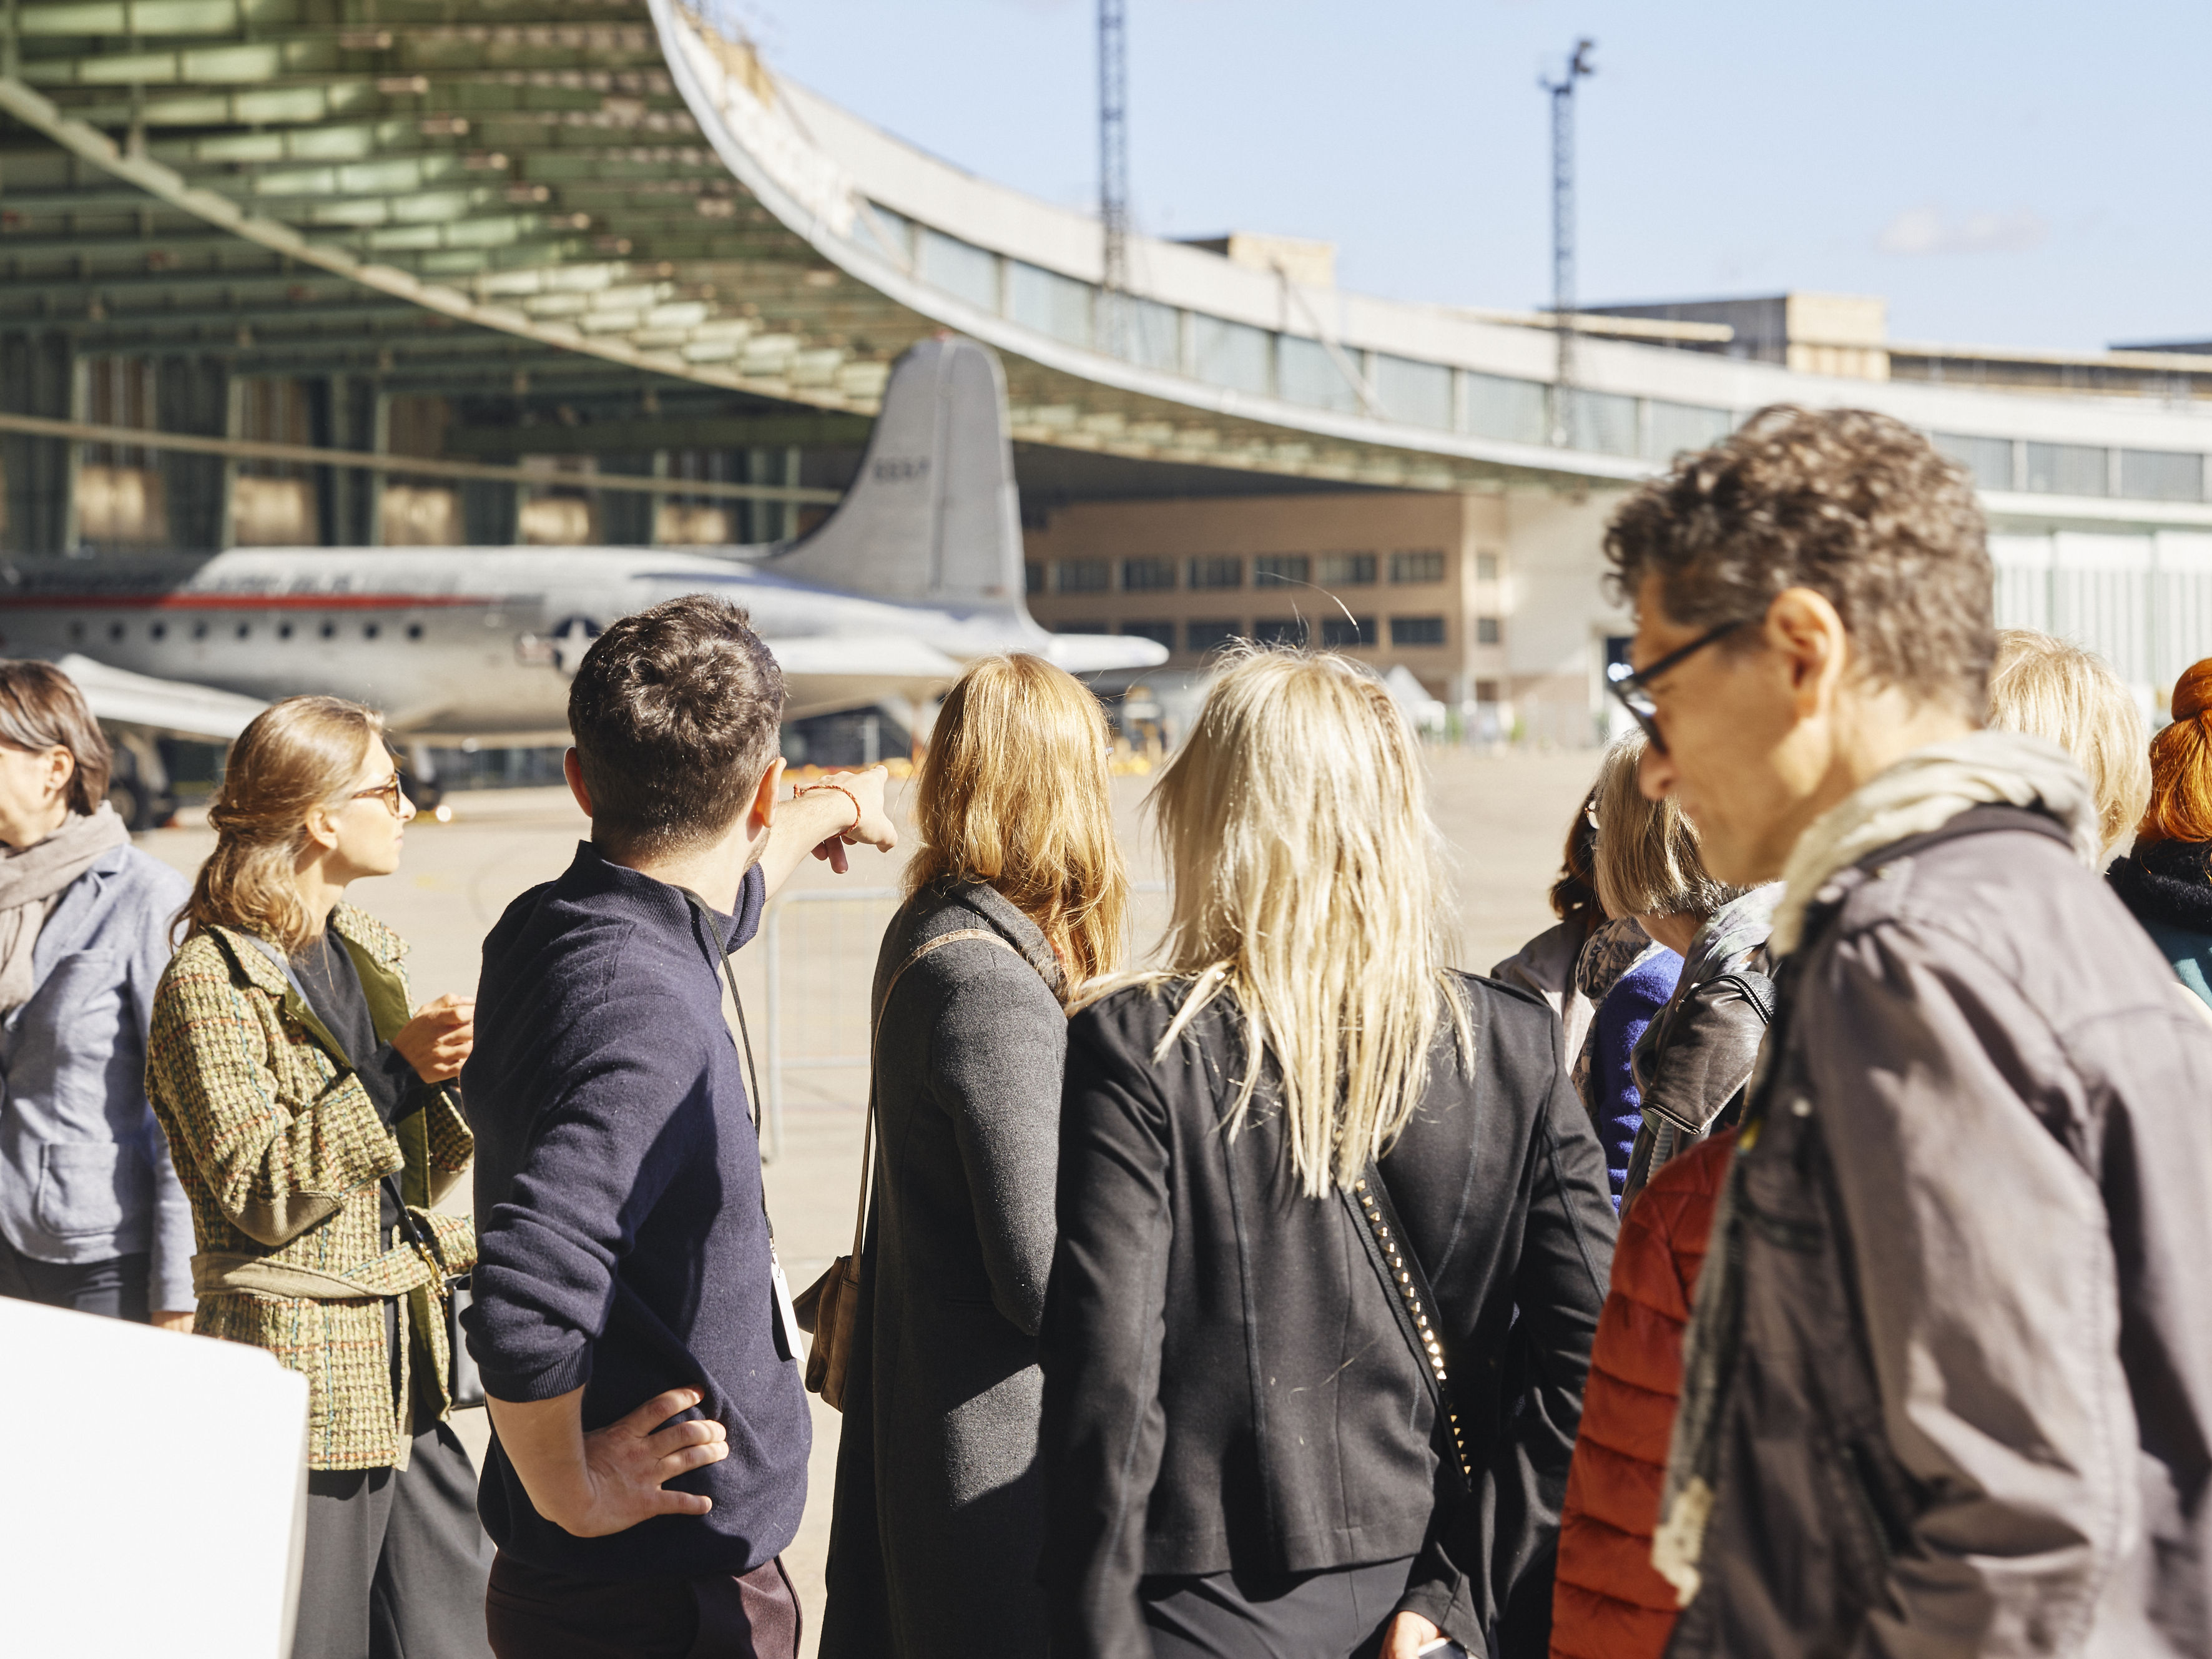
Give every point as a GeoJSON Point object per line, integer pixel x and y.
{"type": "Point", "coordinates": [1017, 898]}
{"type": "Point", "coordinates": [1242, 1453]}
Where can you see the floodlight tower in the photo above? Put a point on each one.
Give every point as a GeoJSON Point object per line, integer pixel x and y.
{"type": "Point", "coordinates": [1113, 176]}
{"type": "Point", "coordinates": [1562, 231]}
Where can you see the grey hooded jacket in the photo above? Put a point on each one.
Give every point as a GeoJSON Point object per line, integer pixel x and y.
{"type": "Point", "coordinates": [1964, 1405]}
{"type": "Point", "coordinates": [84, 1169]}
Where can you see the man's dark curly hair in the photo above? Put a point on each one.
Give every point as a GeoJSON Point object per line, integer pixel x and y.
{"type": "Point", "coordinates": [677, 712]}
{"type": "Point", "coordinates": [1856, 506]}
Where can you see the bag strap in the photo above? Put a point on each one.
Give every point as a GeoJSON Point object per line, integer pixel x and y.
{"type": "Point", "coordinates": [875, 1026]}
{"type": "Point", "coordinates": [1390, 1249]}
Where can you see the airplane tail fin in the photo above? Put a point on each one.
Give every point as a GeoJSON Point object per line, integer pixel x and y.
{"type": "Point", "coordinates": [932, 514]}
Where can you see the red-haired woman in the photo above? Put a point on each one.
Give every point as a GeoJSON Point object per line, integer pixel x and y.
{"type": "Point", "coordinates": [2167, 881]}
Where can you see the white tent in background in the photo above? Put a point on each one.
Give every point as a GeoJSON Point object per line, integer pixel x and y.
{"type": "Point", "coordinates": [1426, 713]}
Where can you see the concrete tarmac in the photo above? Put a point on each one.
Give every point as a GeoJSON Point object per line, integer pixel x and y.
{"type": "Point", "coordinates": [1503, 819]}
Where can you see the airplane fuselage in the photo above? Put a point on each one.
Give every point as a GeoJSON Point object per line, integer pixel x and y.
{"type": "Point", "coordinates": [465, 641]}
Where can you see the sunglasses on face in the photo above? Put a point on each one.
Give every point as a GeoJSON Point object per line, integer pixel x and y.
{"type": "Point", "coordinates": [389, 791]}
{"type": "Point", "coordinates": [1633, 689]}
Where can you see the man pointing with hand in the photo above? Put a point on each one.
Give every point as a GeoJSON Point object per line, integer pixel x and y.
{"type": "Point", "coordinates": [650, 1429]}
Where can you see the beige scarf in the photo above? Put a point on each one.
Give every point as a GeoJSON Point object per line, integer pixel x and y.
{"type": "Point", "coordinates": [1925, 790]}
{"type": "Point", "coordinates": [32, 881]}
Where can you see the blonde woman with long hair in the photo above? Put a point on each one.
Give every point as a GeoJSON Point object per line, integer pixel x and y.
{"type": "Point", "coordinates": [1017, 896]}
{"type": "Point", "coordinates": [299, 1095]}
{"type": "Point", "coordinates": [1242, 1453]}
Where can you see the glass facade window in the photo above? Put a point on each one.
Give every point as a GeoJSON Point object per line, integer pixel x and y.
{"type": "Point", "coordinates": [1342, 632]}
{"type": "Point", "coordinates": [1147, 575]}
{"type": "Point", "coordinates": [1600, 422]}
{"type": "Point", "coordinates": [1988, 459]}
{"type": "Point", "coordinates": [1498, 407]}
{"type": "Point", "coordinates": [1347, 570]}
{"type": "Point", "coordinates": [1032, 576]}
{"type": "Point", "coordinates": [1281, 569]}
{"type": "Point", "coordinates": [1489, 630]}
{"type": "Point", "coordinates": [1486, 567]}
{"type": "Point", "coordinates": [1486, 691]}
{"type": "Point", "coordinates": [2065, 469]}
{"type": "Point", "coordinates": [1155, 334]}
{"type": "Point", "coordinates": [1671, 428]}
{"type": "Point", "coordinates": [1232, 355]}
{"type": "Point", "coordinates": [1417, 393]}
{"type": "Point", "coordinates": [1049, 303]}
{"type": "Point", "coordinates": [1280, 630]}
{"type": "Point", "coordinates": [1217, 570]}
{"type": "Point", "coordinates": [1419, 567]}
{"type": "Point", "coordinates": [1204, 636]}
{"type": "Point", "coordinates": [1084, 576]}
{"type": "Point", "coordinates": [1159, 633]}
{"type": "Point", "coordinates": [2161, 475]}
{"type": "Point", "coordinates": [891, 232]}
{"type": "Point", "coordinates": [1416, 631]}
{"type": "Point", "coordinates": [1306, 373]}
{"type": "Point", "coordinates": [960, 268]}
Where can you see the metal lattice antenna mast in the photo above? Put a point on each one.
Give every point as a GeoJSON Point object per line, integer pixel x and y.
{"type": "Point", "coordinates": [1114, 176]}
{"type": "Point", "coordinates": [1563, 233]}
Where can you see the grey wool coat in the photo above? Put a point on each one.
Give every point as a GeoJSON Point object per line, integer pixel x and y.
{"type": "Point", "coordinates": [939, 1498]}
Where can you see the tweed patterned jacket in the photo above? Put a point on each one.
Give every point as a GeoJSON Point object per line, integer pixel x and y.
{"type": "Point", "coordinates": [280, 1153]}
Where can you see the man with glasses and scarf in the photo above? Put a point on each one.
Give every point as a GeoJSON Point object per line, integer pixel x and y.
{"type": "Point", "coordinates": [1947, 1385]}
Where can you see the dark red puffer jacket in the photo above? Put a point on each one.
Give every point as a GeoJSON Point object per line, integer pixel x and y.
{"type": "Point", "coordinates": [1607, 1602]}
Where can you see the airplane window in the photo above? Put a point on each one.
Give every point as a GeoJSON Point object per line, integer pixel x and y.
{"type": "Point", "coordinates": [76, 630]}
{"type": "Point", "coordinates": [245, 630]}
{"type": "Point", "coordinates": [283, 630]}
{"type": "Point", "coordinates": [199, 630]}
{"type": "Point", "coordinates": [330, 630]}
{"type": "Point", "coordinates": [115, 630]}
{"type": "Point", "coordinates": [414, 631]}
{"type": "Point", "coordinates": [369, 630]}
{"type": "Point", "coordinates": [160, 630]}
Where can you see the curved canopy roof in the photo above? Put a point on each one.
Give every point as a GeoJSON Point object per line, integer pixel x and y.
{"type": "Point", "coordinates": [460, 192]}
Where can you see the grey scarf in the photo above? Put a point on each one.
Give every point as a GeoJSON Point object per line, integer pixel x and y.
{"type": "Point", "coordinates": [33, 879]}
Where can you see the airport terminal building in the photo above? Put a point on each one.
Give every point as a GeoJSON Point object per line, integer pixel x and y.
{"type": "Point", "coordinates": [585, 272]}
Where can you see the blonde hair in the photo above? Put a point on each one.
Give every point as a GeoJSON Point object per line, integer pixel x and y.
{"type": "Point", "coordinates": [1647, 862]}
{"type": "Point", "coordinates": [295, 755]}
{"type": "Point", "coordinates": [2180, 793]}
{"type": "Point", "coordinates": [2047, 688]}
{"type": "Point", "coordinates": [1014, 793]}
{"type": "Point", "coordinates": [1307, 889]}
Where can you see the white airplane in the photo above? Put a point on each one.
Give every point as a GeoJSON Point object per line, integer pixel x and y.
{"type": "Point", "coordinates": [917, 570]}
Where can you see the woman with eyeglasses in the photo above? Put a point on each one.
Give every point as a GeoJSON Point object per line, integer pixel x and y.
{"type": "Point", "coordinates": [304, 1105]}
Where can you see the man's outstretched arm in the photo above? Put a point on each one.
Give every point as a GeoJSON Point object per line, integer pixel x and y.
{"type": "Point", "coordinates": [844, 808]}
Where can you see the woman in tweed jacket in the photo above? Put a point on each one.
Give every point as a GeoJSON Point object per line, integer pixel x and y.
{"type": "Point", "coordinates": [291, 1082]}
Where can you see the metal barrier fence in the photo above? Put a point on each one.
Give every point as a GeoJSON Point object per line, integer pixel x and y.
{"type": "Point", "coordinates": [818, 955]}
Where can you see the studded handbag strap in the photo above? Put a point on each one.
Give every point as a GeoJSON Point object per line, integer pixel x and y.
{"type": "Point", "coordinates": [1412, 1302]}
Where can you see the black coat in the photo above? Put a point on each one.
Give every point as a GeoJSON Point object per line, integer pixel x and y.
{"type": "Point", "coordinates": [1225, 1383]}
{"type": "Point", "coordinates": [932, 1547]}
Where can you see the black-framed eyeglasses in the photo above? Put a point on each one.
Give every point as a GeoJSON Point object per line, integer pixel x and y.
{"type": "Point", "coordinates": [389, 789]}
{"type": "Point", "coordinates": [1633, 689]}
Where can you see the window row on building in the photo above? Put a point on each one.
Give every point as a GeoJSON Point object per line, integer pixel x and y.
{"type": "Point", "coordinates": [1352, 381]}
{"type": "Point", "coordinates": [1224, 571]}
{"type": "Point", "coordinates": [2143, 475]}
{"type": "Point", "coordinates": [1336, 632]}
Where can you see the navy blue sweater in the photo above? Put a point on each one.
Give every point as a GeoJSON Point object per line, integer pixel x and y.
{"type": "Point", "coordinates": [618, 1203]}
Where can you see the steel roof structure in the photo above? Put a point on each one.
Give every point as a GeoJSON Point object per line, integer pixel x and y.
{"type": "Point", "coordinates": [442, 196]}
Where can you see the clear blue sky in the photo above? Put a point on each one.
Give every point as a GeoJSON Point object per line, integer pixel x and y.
{"type": "Point", "coordinates": [2025, 175]}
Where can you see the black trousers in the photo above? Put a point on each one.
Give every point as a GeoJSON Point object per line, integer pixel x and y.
{"type": "Point", "coordinates": [396, 1559]}
{"type": "Point", "coordinates": [548, 1615]}
{"type": "Point", "coordinates": [1316, 1615]}
{"type": "Point", "coordinates": [115, 1287]}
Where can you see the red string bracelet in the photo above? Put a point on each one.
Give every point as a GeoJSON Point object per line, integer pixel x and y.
{"type": "Point", "coordinates": [842, 790]}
